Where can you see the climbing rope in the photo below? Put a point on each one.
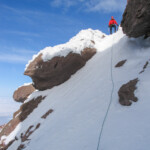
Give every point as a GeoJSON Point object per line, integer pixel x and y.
{"type": "Point", "coordinates": [108, 108]}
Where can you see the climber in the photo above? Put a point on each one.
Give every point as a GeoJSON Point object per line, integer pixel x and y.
{"type": "Point", "coordinates": [112, 24]}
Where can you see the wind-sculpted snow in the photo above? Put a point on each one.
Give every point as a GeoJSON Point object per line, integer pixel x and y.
{"type": "Point", "coordinates": [71, 115]}
{"type": "Point", "coordinates": [54, 65]}
{"type": "Point", "coordinates": [84, 39]}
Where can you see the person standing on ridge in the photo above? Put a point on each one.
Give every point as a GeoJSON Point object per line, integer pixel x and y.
{"type": "Point", "coordinates": [112, 24]}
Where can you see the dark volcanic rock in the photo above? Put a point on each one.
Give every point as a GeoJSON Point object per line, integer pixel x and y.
{"type": "Point", "coordinates": [56, 71]}
{"type": "Point", "coordinates": [25, 110]}
{"type": "Point", "coordinates": [136, 18]}
{"type": "Point", "coordinates": [120, 63]}
{"type": "Point", "coordinates": [145, 66]}
{"type": "Point", "coordinates": [30, 130]}
{"type": "Point", "coordinates": [47, 113]}
{"type": "Point", "coordinates": [22, 93]}
{"type": "Point", "coordinates": [126, 93]}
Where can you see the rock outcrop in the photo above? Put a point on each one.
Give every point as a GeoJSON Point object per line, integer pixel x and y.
{"type": "Point", "coordinates": [136, 18]}
{"type": "Point", "coordinates": [126, 93]}
{"type": "Point", "coordinates": [22, 93]}
{"type": "Point", "coordinates": [56, 71]}
{"type": "Point", "coordinates": [120, 63]}
{"type": "Point", "coordinates": [20, 115]}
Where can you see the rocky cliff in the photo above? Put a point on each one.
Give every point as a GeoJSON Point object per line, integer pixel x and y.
{"type": "Point", "coordinates": [136, 18]}
{"type": "Point", "coordinates": [56, 71]}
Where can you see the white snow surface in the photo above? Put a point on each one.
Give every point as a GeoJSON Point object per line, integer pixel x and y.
{"type": "Point", "coordinates": [84, 39]}
{"type": "Point", "coordinates": [80, 104]}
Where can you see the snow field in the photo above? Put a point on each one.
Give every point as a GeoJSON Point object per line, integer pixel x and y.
{"type": "Point", "coordinates": [80, 103]}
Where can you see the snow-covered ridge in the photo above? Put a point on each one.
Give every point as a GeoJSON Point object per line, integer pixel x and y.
{"type": "Point", "coordinates": [84, 39]}
{"type": "Point", "coordinates": [80, 104]}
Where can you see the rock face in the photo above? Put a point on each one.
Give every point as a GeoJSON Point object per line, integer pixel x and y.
{"type": "Point", "coordinates": [126, 93]}
{"type": "Point", "coordinates": [25, 110]}
{"type": "Point", "coordinates": [21, 94]}
{"type": "Point", "coordinates": [56, 71]}
{"type": "Point", "coordinates": [136, 18]}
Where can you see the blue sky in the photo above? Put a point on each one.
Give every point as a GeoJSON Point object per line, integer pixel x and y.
{"type": "Point", "coordinates": [27, 26]}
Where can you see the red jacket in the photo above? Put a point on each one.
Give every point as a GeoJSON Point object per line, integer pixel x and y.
{"type": "Point", "coordinates": [113, 22]}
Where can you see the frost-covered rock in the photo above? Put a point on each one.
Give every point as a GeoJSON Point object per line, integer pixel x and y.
{"type": "Point", "coordinates": [54, 65]}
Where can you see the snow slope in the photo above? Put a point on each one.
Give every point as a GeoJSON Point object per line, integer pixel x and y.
{"type": "Point", "coordinates": [81, 103]}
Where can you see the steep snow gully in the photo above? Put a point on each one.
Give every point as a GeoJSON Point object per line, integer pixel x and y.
{"type": "Point", "coordinates": [86, 112]}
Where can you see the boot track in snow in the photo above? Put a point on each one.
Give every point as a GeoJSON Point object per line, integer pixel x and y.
{"type": "Point", "coordinates": [107, 111]}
